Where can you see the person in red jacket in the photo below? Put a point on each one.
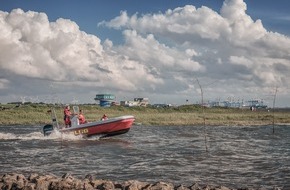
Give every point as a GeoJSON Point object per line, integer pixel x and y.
{"type": "Point", "coordinates": [67, 115]}
{"type": "Point", "coordinates": [104, 117]}
{"type": "Point", "coordinates": [81, 117]}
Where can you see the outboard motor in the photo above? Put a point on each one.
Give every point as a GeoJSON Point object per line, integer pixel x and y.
{"type": "Point", "coordinates": [47, 129]}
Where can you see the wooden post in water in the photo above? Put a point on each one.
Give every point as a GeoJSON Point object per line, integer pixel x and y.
{"type": "Point", "coordinates": [274, 109]}
{"type": "Point", "coordinates": [205, 139]}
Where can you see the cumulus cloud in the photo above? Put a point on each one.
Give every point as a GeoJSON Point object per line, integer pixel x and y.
{"type": "Point", "coordinates": [33, 48]}
{"type": "Point", "coordinates": [223, 46]}
{"type": "Point", "coordinates": [162, 53]}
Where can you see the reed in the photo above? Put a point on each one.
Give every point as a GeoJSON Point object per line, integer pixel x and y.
{"type": "Point", "coordinates": [188, 115]}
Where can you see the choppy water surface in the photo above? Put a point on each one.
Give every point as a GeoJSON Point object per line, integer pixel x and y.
{"type": "Point", "coordinates": [249, 156]}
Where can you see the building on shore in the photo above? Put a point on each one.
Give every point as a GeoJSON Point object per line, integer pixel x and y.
{"type": "Point", "coordinates": [136, 102]}
{"type": "Point", "coordinates": [256, 104]}
{"type": "Point", "coordinates": [105, 100]}
{"type": "Point", "coordinates": [239, 104]}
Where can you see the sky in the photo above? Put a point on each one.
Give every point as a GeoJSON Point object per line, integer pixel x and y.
{"type": "Point", "coordinates": [68, 51]}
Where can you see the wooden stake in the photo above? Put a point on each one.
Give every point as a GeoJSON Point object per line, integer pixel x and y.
{"type": "Point", "coordinates": [274, 109]}
{"type": "Point", "coordinates": [203, 113]}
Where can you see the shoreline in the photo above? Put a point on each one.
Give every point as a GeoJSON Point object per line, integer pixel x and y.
{"type": "Point", "coordinates": [188, 115]}
{"type": "Point", "coordinates": [36, 181]}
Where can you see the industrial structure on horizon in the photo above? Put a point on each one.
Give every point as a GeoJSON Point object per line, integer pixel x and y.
{"type": "Point", "coordinates": [106, 100]}
{"type": "Point", "coordinates": [136, 102]}
{"type": "Point", "coordinates": [238, 104]}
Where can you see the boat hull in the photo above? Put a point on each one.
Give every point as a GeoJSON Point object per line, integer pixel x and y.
{"type": "Point", "coordinates": [109, 127]}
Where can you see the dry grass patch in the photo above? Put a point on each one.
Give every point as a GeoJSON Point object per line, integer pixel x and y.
{"type": "Point", "coordinates": [180, 116]}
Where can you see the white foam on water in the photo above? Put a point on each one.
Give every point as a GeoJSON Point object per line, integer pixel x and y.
{"type": "Point", "coordinates": [93, 138]}
{"type": "Point", "coordinates": [55, 135]}
{"type": "Point", "coordinates": [29, 136]}
{"type": "Point", "coordinates": [7, 136]}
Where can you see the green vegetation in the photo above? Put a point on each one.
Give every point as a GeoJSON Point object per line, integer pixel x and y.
{"type": "Point", "coordinates": [28, 114]}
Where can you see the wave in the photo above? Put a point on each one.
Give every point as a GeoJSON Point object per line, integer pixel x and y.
{"type": "Point", "coordinates": [55, 135]}
{"type": "Point", "coordinates": [7, 136]}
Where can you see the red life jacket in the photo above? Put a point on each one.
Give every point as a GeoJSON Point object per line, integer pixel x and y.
{"type": "Point", "coordinates": [82, 119]}
{"type": "Point", "coordinates": [67, 115]}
